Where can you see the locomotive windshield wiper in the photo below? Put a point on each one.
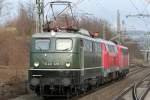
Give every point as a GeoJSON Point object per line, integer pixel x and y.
{"type": "Point", "coordinates": [66, 49]}
{"type": "Point", "coordinates": [39, 48]}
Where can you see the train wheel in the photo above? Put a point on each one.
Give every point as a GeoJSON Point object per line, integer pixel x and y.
{"type": "Point", "coordinates": [86, 88]}
{"type": "Point", "coordinates": [124, 76]}
{"type": "Point", "coordinates": [76, 91]}
{"type": "Point", "coordinates": [83, 88]}
{"type": "Point", "coordinates": [45, 97]}
{"type": "Point", "coordinates": [101, 81]}
{"type": "Point", "coordinates": [97, 84]}
{"type": "Point", "coordinates": [68, 95]}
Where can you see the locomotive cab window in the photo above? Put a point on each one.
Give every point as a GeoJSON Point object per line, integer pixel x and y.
{"type": "Point", "coordinates": [42, 44]}
{"type": "Point", "coordinates": [63, 44]}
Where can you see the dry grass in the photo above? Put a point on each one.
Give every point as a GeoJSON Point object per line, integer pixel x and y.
{"type": "Point", "coordinates": [10, 74]}
{"type": "Point", "coordinates": [14, 56]}
{"type": "Point", "coordinates": [13, 49]}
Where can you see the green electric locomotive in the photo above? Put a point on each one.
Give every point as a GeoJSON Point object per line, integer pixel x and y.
{"type": "Point", "coordinates": [64, 63]}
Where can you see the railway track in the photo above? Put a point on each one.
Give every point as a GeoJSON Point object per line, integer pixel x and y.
{"type": "Point", "coordinates": [136, 69]}
{"type": "Point", "coordinates": [103, 91]}
{"type": "Point", "coordinates": [136, 91]}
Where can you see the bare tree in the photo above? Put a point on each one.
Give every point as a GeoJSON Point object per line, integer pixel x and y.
{"type": "Point", "coordinates": [96, 25]}
{"type": "Point", "coordinates": [25, 21]}
{"type": "Point", "coordinates": [1, 6]}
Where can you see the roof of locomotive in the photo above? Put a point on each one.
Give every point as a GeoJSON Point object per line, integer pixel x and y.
{"type": "Point", "coordinates": [107, 42]}
{"type": "Point", "coordinates": [62, 32]}
{"type": "Point", "coordinates": [69, 35]}
{"type": "Point", "coordinates": [58, 34]}
{"type": "Point", "coordinates": [63, 35]}
{"type": "Point", "coordinates": [121, 46]}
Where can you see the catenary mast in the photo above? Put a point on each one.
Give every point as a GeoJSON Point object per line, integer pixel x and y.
{"type": "Point", "coordinates": [39, 15]}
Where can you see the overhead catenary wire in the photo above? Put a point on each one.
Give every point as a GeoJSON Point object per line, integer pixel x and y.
{"type": "Point", "coordinates": [145, 10]}
{"type": "Point", "coordinates": [145, 6]}
{"type": "Point", "coordinates": [138, 12]}
{"type": "Point", "coordinates": [133, 5]}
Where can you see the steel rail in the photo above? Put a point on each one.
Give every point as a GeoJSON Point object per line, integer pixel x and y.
{"type": "Point", "coordinates": [133, 88]}
{"type": "Point", "coordinates": [136, 85]}
{"type": "Point", "coordinates": [124, 92]}
{"type": "Point", "coordinates": [134, 92]}
{"type": "Point", "coordinates": [145, 94]}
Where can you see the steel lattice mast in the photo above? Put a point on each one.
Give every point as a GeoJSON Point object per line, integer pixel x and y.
{"type": "Point", "coordinates": [39, 15]}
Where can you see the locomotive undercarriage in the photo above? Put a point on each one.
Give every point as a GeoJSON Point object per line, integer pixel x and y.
{"type": "Point", "coordinates": [61, 90]}
{"type": "Point", "coordinates": [66, 83]}
{"type": "Point", "coordinates": [75, 84]}
{"type": "Point", "coordinates": [50, 90]}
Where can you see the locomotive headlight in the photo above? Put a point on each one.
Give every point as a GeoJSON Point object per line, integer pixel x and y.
{"type": "Point", "coordinates": [68, 64]}
{"type": "Point", "coordinates": [36, 64]}
{"type": "Point", "coordinates": [53, 33]}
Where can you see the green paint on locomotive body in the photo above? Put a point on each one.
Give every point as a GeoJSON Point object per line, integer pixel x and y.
{"type": "Point", "coordinates": [53, 59]}
{"type": "Point", "coordinates": [57, 59]}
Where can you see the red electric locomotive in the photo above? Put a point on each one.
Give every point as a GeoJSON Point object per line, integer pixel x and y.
{"type": "Point", "coordinates": [115, 59]}
{"type": "Point", "coordinates": [109, 54]}
{"type": "Point", "coordinates": [122, 58]}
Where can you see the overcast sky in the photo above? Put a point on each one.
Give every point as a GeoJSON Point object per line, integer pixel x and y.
{"type": "Point", "coordinates": [107, 9]}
